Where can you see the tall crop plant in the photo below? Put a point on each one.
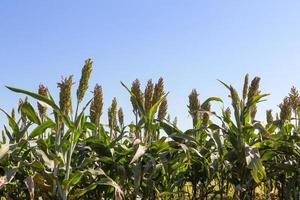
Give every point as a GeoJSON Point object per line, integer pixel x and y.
{"type": "Point", "coordinates": [65, 150]}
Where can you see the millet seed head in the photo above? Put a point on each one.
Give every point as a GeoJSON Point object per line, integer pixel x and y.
{"type": "Point", "coordinates": [228, 112]}
{"type": "Point", "coordinates": [269, 116]}
{"type": "Point", "coordinates": [253, 112]}
{"type": "Point", "coordinates": [112, 113]}
{"type": "Point", "coordinates": [205, 116]}
{"type": "Point", "coordinates": [96, 105]}
{"type": "Point", "coordinates": [110, 118]}
{"type": "Point", "coordinates": [194, 106]}
{"type": "Point", "coordinates": [245, 88]}
{"type": "Point", "coordinates": [136, 90]}
{"type": "Point", "coordinates": [65, 100]}
{"type": "Point", "coordinates": [294, 98]}
{"type": "Point", "coordinates": [253, 89]}
{"type": "Point", "coordinates": [149, 90]}
{"type": "Point", "coordinates": [194, 103]}
{"type": "Point", "coordinates": [121, 117]}
{"type": "Point", "coordinates": [162, 110]}
{"type": "Point", "coordinates": [85, 76]}
{"type": "Point", "coordinates": [285, 110]}
{"type": "Point", "coordinates": [234, 97]}
{"type": "Point", "coordinates": [158, 91]}
{"type": "Point", "coordinates": [44, 92]}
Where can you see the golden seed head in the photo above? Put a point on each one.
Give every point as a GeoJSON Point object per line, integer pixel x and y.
{"type": "Point", "coordinates": [269, 116]}
{"type": "Point", "coordinates": [112, 113]}
{"type": "Point", "coordinates": [194, 106]}
{"type": "Point", "coordinates": [158, 91]}
{"type": "Point", "coordinates": [44, 92]}
{"type": "Point", "coordinates": [131, 128]}
{"type": "Point", "coordinates": [3, 137]}
{"type": "Point", "coordinates": [136, 90]}
{"type": "Point", "coordinates": [85, 76]}
{"type": "Point", "coordinates": [65, 99]}
{"type": "Point", "coordinates": [285, 109]}
{"type": "Point", "coordinates": [205, 116]}
{"type": "Point", "coordinates": [294, 98]}
{"type": "Point", "coordinates": [245, 89]}
{"type": "Point", "coordinates": [96, 105]}
{"type": "Point", "coordinates": [121, 117]}
{"type": "Point", "coordinates": [194, 103]}
{"type": "Point", "coordinates": [162, 110]}
{"type": "Point", "coordinates": [253, 89]}
{"type": "Point", "coordinates": [234, 97]}
{"type": "Point", "coordinates": [228, 112]}
{"type": "Point", "coordinates": [110, 118]}
{"type": "Point", "coordinates": [114, 105]}
{"type": "Point", "coordinates": [253, 112]}
{"type": "Point", "coordinates": [149, 95]}
{"type": "Point", "coordinates": [13, 114]}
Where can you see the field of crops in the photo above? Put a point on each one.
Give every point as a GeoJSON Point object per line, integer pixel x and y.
{"type": "Point", "coordinates": [65, 150]}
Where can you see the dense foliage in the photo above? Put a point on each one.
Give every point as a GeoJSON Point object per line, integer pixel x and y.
{"type": "Point", "coordinates": [55, 152]}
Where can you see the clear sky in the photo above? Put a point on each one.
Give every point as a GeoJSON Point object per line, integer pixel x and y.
{"type": "Point", "coordinates": [189, 43]}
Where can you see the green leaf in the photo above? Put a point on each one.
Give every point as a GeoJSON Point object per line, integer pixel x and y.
{"type": "Point", "coordinates": [90, 126]}
{"type": "Point", "coordinates": [28, 110]}
{"type": "Point", "coordinates": [80, 192]}
{"type": "Point", "coordinates": [41, 128]}
{"type": "Point", "coordinates": [36, 96]}
{"type": "Point", "coordinates": [46, 100]}
{"type": "Point", "coordinates": [154, 108]}
{"type": "Point", "coordinates": [37, 165]}
{"type": "Point", "coordinates": [207, 101]}
{"type": "Point", "coordinates": [8, 134]}
{"type": "Point", "coordinates": [75, 178]}
{"type": "Point", "coordinates": [12, 123]}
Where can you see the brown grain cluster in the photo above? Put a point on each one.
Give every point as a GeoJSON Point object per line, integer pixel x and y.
{"type": "Point", "coordinates": [285, 110]}
{"type": "Point", "coordinates": [96, 105]}
{"type": "Point", "coordinates": [65, 99]}
{"type": "Point", "coordinates": [149, 90]}
{"type": "Point", "coordinates": [194, 106]}
{"type": "Point", "coordinates": [136, 90]}
{"type": "Point", "coordinates": [85, 76]}
{"type": "Point", "coordinates": [269, 116]}
{"type": "Point", "coordinates": [44, 92]}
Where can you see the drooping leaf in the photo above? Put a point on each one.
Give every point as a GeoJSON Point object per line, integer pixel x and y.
{"type": "Point", "coordinates": [207, 101]}
{"type": "Point", "coordinates": [36, 96]}
{"type": "Point", "coordinates": [7, 178]}
{"type": "Point", "coordinates": [80, 192]}
{"type": "Point", "coordinates": [30, 186]}
{"type": "Point", "coordinates": [4, 150]}
{"type": "Point", "coordinates": [139, 153]}
{"type": "Point", "coordinates": [254, 163]}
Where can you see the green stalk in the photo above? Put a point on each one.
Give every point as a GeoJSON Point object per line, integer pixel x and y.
{"type": "Point", "coordinates": [69, 156]}
{"type": "Point", "coordinates": [70, 152]}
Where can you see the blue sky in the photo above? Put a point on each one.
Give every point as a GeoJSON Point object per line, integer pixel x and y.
{"type": "Point", "coordinates": [189, 43]}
